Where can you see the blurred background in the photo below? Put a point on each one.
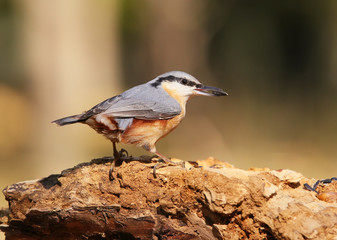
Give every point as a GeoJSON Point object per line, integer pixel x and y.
{"type": "Point", "coordinates": [277, 61]}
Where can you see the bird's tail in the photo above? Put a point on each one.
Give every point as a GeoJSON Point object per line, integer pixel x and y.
{"type": "Point", "coordinates": [68, 120]}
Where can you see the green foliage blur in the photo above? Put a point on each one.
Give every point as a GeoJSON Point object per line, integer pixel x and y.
{"type": "Point", "coordinates": [277, 61]}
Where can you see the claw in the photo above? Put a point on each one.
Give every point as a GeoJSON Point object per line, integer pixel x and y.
{"type": "Point", "coordinates": [159, 165]}
{"type": "Point", "coordinates": [111, 178]}
{"type": "Point", "coordinates": [155, 168]}
{"type": "Point", "coordinates": [123, 153]}
{"type": "Point", "coordinates": [113, 163]}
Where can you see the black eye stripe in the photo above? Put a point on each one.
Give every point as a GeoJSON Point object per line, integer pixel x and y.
{"type": "Point", "coordinates": [191, 84]}
{"type": "Point", "coordinates": [172, 78]}
{"type": "Point", "coordinates": [187, 82]}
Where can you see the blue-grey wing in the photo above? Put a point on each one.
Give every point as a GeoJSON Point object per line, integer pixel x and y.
{"type": "Point", "coordinates": [141, 102]}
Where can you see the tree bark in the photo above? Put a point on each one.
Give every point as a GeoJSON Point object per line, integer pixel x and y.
{"type": "Point", "coordinates": [205, 200]}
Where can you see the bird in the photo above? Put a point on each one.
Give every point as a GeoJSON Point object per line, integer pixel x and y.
{"type": "Point", "coordinates": [145, 113]}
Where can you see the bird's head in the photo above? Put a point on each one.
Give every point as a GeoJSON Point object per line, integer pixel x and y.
{"type": "Point", "coordinates": [183, 85]}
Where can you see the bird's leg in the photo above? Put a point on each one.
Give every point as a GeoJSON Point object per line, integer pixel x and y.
{"type": "Point", "coordinates": [113, 163]}
{"type": "Point", "coordinates": [118, 155]}
{"type": "Point", "coordinates": [167, 161]}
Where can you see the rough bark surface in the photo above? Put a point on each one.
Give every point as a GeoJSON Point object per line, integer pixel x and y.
{"type": "Point", "coordinates": [211, 201]}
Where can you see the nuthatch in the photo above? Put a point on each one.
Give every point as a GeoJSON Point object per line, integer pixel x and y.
{"type": "Point", "coordinates": [145, 113]}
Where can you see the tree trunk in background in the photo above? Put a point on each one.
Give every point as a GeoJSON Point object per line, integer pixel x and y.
{"type": "Point", "coordinates": [72, 57]}
{"type": "Point", "coordinates": [177, 40]}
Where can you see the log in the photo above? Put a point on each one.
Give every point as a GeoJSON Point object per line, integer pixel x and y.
{"type": "Point", "coordinates": [206, 199]}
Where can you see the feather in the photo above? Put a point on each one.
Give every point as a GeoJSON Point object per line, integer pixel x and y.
{"type": "Point", "coordinates": [141, 102]}
{"type": "Point", "coordinates": [67, 120]}
{"type": "Point", "coordinates": [124, 123]}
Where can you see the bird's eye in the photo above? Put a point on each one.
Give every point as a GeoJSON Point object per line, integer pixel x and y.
{"type": "Point", "coordinates": [190, 83]}
{"type": "Point", "coordinates": [184, 81]}
{"type": "Point", "coordinates": [198, 86]}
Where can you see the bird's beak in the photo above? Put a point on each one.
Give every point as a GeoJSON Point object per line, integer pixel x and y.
{"type": "Point", "coordinates": [210, 91]}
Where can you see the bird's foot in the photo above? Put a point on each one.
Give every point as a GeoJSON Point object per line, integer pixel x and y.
{"type": "Point", "coordinates": [123, 153]}
{"type": "Point", "coordinates": [167, 162]}
{"type": "Point", "coordinates": [111, 177]}
{"type": "Point", "coordinates": [117, 161]}
{"type": "Point", "coordinates": [122, 156]}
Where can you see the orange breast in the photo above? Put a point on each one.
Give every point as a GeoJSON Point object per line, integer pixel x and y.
{"type": "Point", "coordinates": [142, 133]}
{"type": "Point", "coordinates": [145, 133]}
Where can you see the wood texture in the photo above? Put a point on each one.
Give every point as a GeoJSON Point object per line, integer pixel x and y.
{"type": "Point", "coordinates": [211, 201]}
